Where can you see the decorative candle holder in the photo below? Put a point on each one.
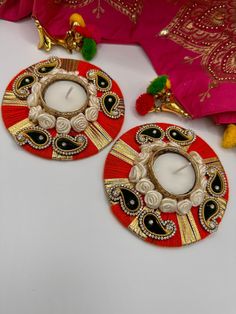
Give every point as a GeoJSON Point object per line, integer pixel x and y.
{"type": "Point", "coordinates": [63, 109]}
{"type": "Point", "coordinates": [166, 185]}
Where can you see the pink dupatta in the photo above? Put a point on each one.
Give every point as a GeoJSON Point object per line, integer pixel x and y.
{"type": "Point", "coordinates": [191, 41]}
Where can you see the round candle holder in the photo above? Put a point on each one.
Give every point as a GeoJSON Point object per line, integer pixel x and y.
{"type": "Point", "coordinates": [54, 125]}
{"type": "Point", "coordinates": [139, 199]}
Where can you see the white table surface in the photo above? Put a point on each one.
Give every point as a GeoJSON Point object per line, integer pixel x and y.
{"type": "Point", "coordinates": [61, 249]}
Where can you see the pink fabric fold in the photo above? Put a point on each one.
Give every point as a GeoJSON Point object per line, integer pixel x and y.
{"type": "Point", "coordinates": [14, 10]}
{"type": "Point", "coordinates": [198, 51]}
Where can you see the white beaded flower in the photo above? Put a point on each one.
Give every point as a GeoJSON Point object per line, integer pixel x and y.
{"type": "Point", "coordinates": [153, 199]}
{"type": "Point", "coordinates": [63, 125]}
{"type": "Point", "coordinates": [184, 207]}
{"type": "Point", "coordinates": [46, 120]}
{"type": "Point", "coordinates": [144, 186]}
{"type": "Point", "coordinates": [91, 114]}
{"type": "Point", "coordinates": [79, 123]}
{"type": "Point", "coordinates": [168, 205]}
{"type": "Point", "coordinates": [197, 197]}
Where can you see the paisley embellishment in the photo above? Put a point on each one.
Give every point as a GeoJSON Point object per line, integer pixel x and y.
{"type": "Point", "coordinates": [112, 105]}
{"type": "Point", "coordinates": [149, 133]}
{"type": "Point", "coordinates": [129, 199]}
{"type": "Point", "coordinates": [209, 211]}
{"type": "Point", "coordinates": [67, 145]}
{"type": "Point", "coordinates": [154, 227]}
{"type": "Point", "coordinates": [200, 26]}
{"type": "Point", "coordinates": [36, 137]}
{"type": "Point", "coordinates": [43, 68]}
{"type": "Point", "coordinates": [216, 185]}
{"type": "Point", "coordinates": [23, 83]}
{"type": "Point", "coordinates": [100, 79]}
{"type": "Point", "coordinates": [180, 136]}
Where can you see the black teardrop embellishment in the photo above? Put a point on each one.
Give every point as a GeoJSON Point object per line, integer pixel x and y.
{"type": "Point", "coordinates": [180, 136]}
{"type": "Point", "coordinates": [130, 200]}
{"type": "Point", "coordinates": [43, 68]}
{"type": "Point", "coordinates": [68, 145]}
{"type": "Point", "coordinates": [110, 102]}
{"type": "Point", "coordinates": [22, 84]}
{"type": "Point", "coordinates": [36, 137]}
{"type": "Point", "coordinates": [149, 133]}
{"type": "Point", "coordinates": [46, 69]}
{"type": "Point", "coordinates": [153, 225]}
{"type": "Point", "coordinates": [210, 209]}
{"type": "Point", "coordinates": [217, 183]}
{"type": "Point", "coordinates": [102, 82]}
{"type": "Point", "coordinates": [152, 132]}
{"type": "Point", "coordinates": [27, 80]}
{"type": "Point", "coordinates": [112, 105]}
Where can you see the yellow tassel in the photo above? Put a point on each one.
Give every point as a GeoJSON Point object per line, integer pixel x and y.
{"type": "Point", "coordinates": [77, 18]}
{"type": "Point", "coordinates": [168, 84]}
{"type": "Point", "coordinates": [229, 139]}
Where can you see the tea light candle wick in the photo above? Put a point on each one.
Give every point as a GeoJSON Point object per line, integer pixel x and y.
{"type": "Point", "coordinates": [183, 167]}
{"type": "Point", "coordinates": [68, 92]}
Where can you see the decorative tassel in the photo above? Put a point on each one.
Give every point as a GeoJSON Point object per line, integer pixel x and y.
{"type": "Point", "coordinates": [229, 138]}
{"type": "Point", "coordinates": [159, 98]}
{"type": "Point", "coordinates": [79, 37]}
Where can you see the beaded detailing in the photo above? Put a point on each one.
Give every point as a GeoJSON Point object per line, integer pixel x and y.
{"type": "Point", "coordinates": [207, 28]}
{"type": "Point", "coordinates": [130, 8]}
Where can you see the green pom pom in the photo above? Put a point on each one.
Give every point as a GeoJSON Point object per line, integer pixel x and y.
{"type": "Point", "coordinates": [157, 85]}
{"type": "Point", "coordinates": [89, 48]}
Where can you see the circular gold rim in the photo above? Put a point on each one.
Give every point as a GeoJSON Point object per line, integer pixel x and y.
{"type": "Point", "coordinates": [158, 186]}
{"type": "Point", "coordinates": [63, 77]}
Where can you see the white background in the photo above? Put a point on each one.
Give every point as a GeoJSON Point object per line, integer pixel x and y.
{"type": "Point", "coordinates": [61, 249]}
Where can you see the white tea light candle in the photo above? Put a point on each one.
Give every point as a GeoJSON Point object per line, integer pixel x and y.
{"type": "Point", "coordinates": [174, 173]}
{"type": "Point", "coordinates": [65, 96]}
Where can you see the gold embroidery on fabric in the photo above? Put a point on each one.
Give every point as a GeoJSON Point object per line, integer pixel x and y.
{"type": "Point", "coordinates": [131, 9]}
{"type": "Point", "coordinates": [208, 29]}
